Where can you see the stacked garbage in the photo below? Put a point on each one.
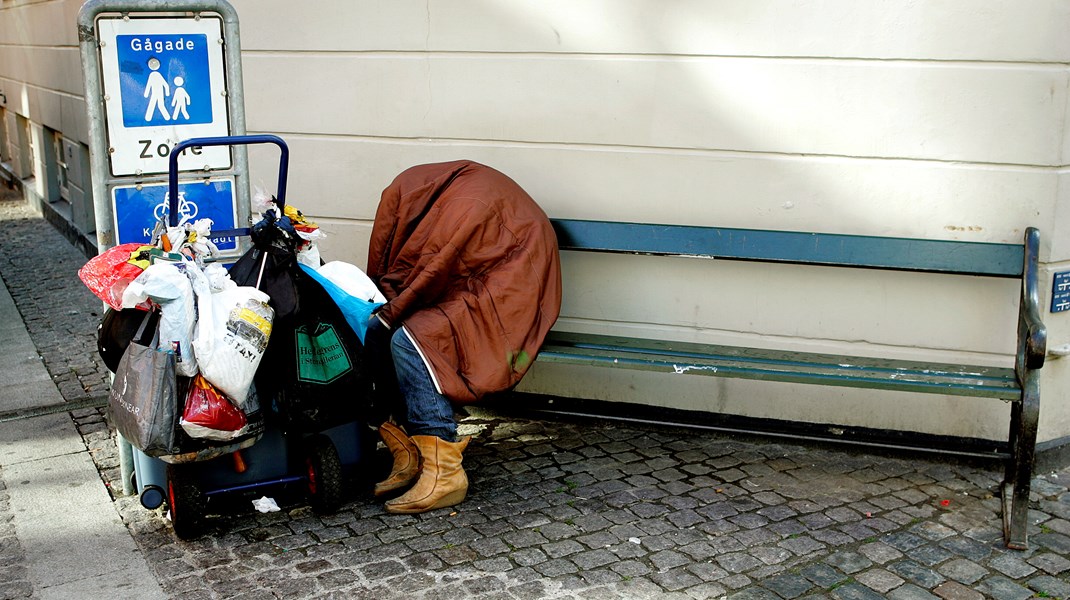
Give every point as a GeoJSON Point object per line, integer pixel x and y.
{"type": "Point", "coordinates": [197, 349]}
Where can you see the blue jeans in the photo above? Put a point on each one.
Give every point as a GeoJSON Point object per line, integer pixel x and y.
{"type": "Point", "coordinates": [426, 412]}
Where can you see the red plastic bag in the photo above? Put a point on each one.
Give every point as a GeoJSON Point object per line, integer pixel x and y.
{"type": "Point", "coordinates": [209, 415]}
{"type": "Point", "coordinates": [107, 274]}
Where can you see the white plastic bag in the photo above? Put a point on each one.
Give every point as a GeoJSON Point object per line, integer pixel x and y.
{"type": "Point", "coordinates": [198, 239]}
{"type": "Point", "coordinates": [167, 285]}
{"type": "Point", "coordinates": [191, 239]}
{"type": "Point", "coordinates": [266, 505]}
{"type": "Point", "coordinates": [218, 278]}
{"type": "Point", "coordinates": [352, 280]}
{"type": "Point", "coordinates": [233, 329]}
{"type": "Point", "coordinates": [309, 255]}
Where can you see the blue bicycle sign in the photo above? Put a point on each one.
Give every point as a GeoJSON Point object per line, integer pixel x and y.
{"type": "Point", "coordinates": [138, 209]}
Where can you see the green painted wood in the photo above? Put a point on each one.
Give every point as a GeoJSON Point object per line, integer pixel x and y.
{"type": "Point", "coordinates": [774, 365]}
{"type": "Point", "coordinates": [908, 254]}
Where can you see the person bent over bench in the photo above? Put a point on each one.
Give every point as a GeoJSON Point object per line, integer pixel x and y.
{"type": "Point", "coordinates": [469, 265]}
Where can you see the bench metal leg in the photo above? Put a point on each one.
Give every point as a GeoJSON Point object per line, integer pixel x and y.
{"type": "Point", "coordinates": [1016, 484]}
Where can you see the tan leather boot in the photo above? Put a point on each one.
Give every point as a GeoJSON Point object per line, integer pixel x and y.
{"type": "Point", "coordinates": [406, 460]}
{"type": "Point", "coordinates": [442, 481]}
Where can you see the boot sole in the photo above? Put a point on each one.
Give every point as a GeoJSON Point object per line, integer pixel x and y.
{"type": "Point", "coordinates": [451, 499]}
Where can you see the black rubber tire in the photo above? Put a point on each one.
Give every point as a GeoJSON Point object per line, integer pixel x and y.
{"type": "Point", "coordinates": [186, 502]}
{"type": "Point", "coordinates": [324, 474]}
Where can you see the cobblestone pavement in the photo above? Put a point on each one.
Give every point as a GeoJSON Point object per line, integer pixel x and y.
{"type": "Point", "coordinates": [568, 509]}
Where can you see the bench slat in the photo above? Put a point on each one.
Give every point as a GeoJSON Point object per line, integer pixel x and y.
{"type": "Point", "coordinates": [772, 365]}
{"type": "Point", "coordinates": [827, 249]}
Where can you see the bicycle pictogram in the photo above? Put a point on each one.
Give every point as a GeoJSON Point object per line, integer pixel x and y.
{"type": "Point", "coordinates": [186, 210]}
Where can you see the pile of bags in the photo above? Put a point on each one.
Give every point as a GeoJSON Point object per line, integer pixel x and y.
{"type": "Point", "coordinates": [194, 347]}
{"type": "Point", "coordinates": [313, 373]}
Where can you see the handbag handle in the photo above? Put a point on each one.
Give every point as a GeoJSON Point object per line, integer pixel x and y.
{"type": "Point", "coordinates": [141, 331]}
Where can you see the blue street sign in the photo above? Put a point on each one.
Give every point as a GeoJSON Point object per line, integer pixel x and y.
{"type": "Point", "coordinates": [164, 79]}
{"type": "Point", "coordinates": [138, 210]}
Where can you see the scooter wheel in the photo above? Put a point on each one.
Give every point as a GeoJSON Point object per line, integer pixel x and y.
{"type": "Point", "coordinates": [186, 502]}
{"type": "Point", "coordinates": [324, 473]}
{"type": "Point", "coordinates": [151, 497]}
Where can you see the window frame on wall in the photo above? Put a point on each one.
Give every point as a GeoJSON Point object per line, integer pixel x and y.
{"type": "Point", "coordinates": [62, 173]}
{"type": "Point", "coordinates": [25, 148]}
{"type": "Point", "coordinates": [5, 139]}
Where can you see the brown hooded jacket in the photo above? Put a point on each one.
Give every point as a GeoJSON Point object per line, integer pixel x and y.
{"type": "Point", "coordinates": [469, 265]}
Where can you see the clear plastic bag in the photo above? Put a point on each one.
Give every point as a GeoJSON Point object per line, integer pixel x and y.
{"type": "Point", "coordinates": [166, 284]}
{"type": "Point", "coordinates": [233, 329]}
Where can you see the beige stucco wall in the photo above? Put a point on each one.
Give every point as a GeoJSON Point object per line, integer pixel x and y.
{"type": "Point", "coordinates": [942, 120]}
{"type": "Point", "coordinates": [937, 121]}
{"type": "Point", "coordinates": [40, 72]}
{"type": "Point", "coordinates": [41, 83]}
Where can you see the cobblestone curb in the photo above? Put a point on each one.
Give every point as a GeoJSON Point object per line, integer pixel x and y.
{"type": "Point", "coordinates": [40, 268]}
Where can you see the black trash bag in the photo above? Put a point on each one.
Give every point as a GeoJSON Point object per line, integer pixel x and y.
{"type": "Point", "coordinates": [117, 328]}
{"type": "Point", "coordinates": [313, 374]}
{"type": "Point", "coordinates": [314, 371]}
{"type": "Point", "coordinates": [271, 273]}
{"type": "Point", "coordinates": [270, 263]}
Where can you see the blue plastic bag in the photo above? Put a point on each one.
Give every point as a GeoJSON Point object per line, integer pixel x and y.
{"type": "Point", "coordinates": [356, 310]}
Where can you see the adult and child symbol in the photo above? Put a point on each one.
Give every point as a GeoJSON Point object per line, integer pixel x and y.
{"type": "Point", "coordinates": [157, 88]}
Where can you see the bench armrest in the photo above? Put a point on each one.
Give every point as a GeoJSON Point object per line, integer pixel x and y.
{"type": "Point", "coordinates": [1032, 334]}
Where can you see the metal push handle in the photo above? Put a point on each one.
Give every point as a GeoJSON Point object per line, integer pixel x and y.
{"type": "Point", "coordinates": [234, 140]}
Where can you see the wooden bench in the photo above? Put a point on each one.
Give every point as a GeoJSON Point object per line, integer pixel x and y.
{"type": "Point", "coordinates": [1019, 385]}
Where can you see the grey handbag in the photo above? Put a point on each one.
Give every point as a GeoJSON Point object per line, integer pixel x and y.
{"type": "Point", "coordinates": [143, 400]}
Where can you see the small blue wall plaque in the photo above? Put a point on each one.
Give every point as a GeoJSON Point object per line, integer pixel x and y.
{"type": "Point", "coordinates": [1060, 292]}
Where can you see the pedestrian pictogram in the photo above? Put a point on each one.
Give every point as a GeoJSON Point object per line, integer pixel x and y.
{"type": "Point", "coordinates": [180, 101]}
{"type": "Point", "coordinates": [164, 79]}
{"type": "Point", "coordinates": [157, 87]}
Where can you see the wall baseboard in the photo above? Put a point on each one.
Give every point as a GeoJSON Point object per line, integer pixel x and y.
{"type": "Point", "coordinates": [86, 244]}
{"type": "Point", "coordinates": [53, 213]}
{"type": "Point", "coordinates": [1051, 455]}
